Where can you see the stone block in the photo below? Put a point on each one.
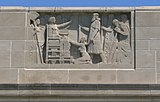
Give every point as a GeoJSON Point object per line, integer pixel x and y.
{"type": "Point", "coordinates": [12, 33]}
{"type": "Point", "coordinates": [8, 93]}
{"type": "Point", "coordinates": [30, 58]}
{"type": "Point", "coordinates": [31, 45]}
{"type": "Point", "coordinates": [34, 92]}
{"type": "Point", "coordinates": [145, 59]}
{"type": "Point", "coordinates": [8, 76]}
{"type": "Point", "coordinates": [119, 9]}
{"type": "Point", "coordinates": [13, 9]}
{"type": "Point", "coordinates": [154, 44]}
{"type": "Point", "coordinates": [74, 66]}
{"type": "Point", "coordinates": [158, 67]}
{"type": "Point", "coordinates": [12, 19]}
{"type": "Point", "coordinates": [18, 45]}
{"type": "Point", "coordinates": [17, 59]}
{"type": "Point", "coordinates": [5, 59]}
{"type": "Point", "coordinates": [78, 92]}
{"type": "Point", "coordinates": [157, 55]}
{"type": "Point", "coordinates": [43, 76]}
{"type": "Point", "coordinates": [44, 9]}
{"type": "Point", "coordinates": [147, 19]}
{"type": "Point", "coordinates": [92, 76]}
{"type": "Point", "coordinates": [139, 76]}
{"type": "Point", "coordinates": [30, 33]}
{"type": "Point", "coordinates": [147, 33]}
{"type": "Point", "coordinates": [80, 9]}
{"type": "Point", "coordinates": [5, 46]}
{"type": "Point", "coordinates": [142, 44]}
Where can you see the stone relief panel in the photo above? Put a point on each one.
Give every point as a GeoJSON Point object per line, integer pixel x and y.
{"type": "Point", "coordinates": [80, 38]}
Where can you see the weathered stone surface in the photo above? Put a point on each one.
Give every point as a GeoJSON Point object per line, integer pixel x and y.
{"type": "Point", "coordinates": [5, 59]}
{"type": "Point", "coordinates": [8, 76]}
{"type": "Point", "coordinates": [139, 76]}
{"type": "Point", "coordinates": [147, 33]}
{"type": "Point", "coordinates": [43, 76]}
{"type": "Point", "coordinates": [147, 19]}
{"type": "Point", "coordinates": [23, 42]}
{"type": "Point", "coordinates": [154, 44]}
{"type": "Point", "coordinates": [158, 55]}
{"type": "Point", "coordinates": [17, 59]}
{"type": "Point", "coordinates": [92, 76]}
{"type": "Point", "coordinates": [142, 44]}
{"type": "Point", "coordinates": [145, 59]}
{"type": "Point", "coordinates": [12, 33]}
{"type": "Point", "coordinates": [12, 19]}
{"type": "Point", "coordinates": [30, 58]}
{"type": "Point", "coordinates": [18, 45]}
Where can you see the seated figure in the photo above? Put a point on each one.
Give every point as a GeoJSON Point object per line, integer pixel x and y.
{"type": "Point", "coordinates": [85, 57]}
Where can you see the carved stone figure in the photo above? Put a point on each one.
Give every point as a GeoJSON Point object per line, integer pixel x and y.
{"type": "Point", "coordinates": [57, 46]}
{"type": "Point", "coordinates": [109, 44]}
{"type": "Point", "coordinates": [53, 28]}
{"type": "Point", "coordinates": [122, 31]}
{"type": "Point", "coordinates": [85, 59]}
{"type": "Point", "coordinates": [94, 38]}
{"type": "Point", "coordinates": [40, 38]}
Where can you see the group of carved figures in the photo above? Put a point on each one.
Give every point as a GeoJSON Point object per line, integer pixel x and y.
{"type": "Point", "coordinates": [113, 47]}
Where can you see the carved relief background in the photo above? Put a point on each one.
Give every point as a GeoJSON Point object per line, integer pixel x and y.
{"type": "Point", "coordinates": [82, 38]}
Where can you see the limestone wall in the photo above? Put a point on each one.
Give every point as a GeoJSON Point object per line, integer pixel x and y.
{"type": "Point", "coordinates": [18, 50]}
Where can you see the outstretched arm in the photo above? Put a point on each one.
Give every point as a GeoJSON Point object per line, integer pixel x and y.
{"type": "Point", "coordinates": [124, 32]}
{"type": "Point", "coordinates": [84, 28]}
{"type": "Point", "coordinates": [73, 42]}
{"type": "Point", "coordinates": [106, 29]}
{"type": "Point", "coordinates": [64, 24]}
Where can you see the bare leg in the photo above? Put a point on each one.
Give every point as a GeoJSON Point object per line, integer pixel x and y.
{"type": "Point", "coordinates": [91, 55]}
{"type": "Point", "coordinates": [103, 58]}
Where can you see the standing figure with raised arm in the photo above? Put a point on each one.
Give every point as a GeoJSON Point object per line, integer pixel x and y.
{"type": "Point", "coordinates": [53, 28]}
{"type": "Point", "coordinates": [95, 46]}
{"type": "Point", "coordinates": [40, 39]}
{"type": "Point", "coordinates": [123, 37]}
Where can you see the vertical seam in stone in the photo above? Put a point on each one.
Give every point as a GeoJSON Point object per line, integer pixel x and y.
{"type": "Point", "coordinates": [149, 44]}
{"type": "Point", "coordinates": [18, 77]}
{"type": "Point", "coordinates": [10, 53]}
{"type": "Point", "coordinates": [68, 76]}
{"type": "Point", "coordinates": [156, 68]}
{"type": "Point", "coordinates": [26, 19]}
{"type": "Point", "coordinates": [116, 75]}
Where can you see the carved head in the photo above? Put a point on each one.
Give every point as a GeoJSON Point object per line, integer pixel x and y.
{"type": "Point", "coordinates": [115, 22]}
{"type": "Point", "coordinates": [52, 20]}
{"type": "Point", "coordinates": [124, 18]}
{"type": "Point", "coordinates": [83, 40]}
{"type": "Point", "coordinates": [95, 16]}
{"type": "Point", "coordinates": [38, 21]}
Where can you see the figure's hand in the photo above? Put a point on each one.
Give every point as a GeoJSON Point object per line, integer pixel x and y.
{"type": "Point", "coordinates": [117, 29]}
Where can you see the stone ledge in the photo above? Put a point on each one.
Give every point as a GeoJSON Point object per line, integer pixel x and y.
{"type": "Point", "coordinates": [77, 9]}
{"type": "Point", "coordinates": [80, 90]}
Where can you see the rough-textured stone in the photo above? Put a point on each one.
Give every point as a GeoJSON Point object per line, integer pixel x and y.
{"type": "Point", "coordinates": [43, 76]}
{"type": "Point", "coordinates": [12, 19]}
{"type": "Point", "coordinates": [139, 76]}
{"type": "Point", "coordinates": [5, 59]}
{"type": "Point", "coordinates": [18, 45]}
{"type": "Point", "coordinates": [92, 76]}
{"type": "Point", "coordinates": [147, 19]}
{"type": "Point", "coordinates": [12, 33]}
{"type": "Point", "coordinates": [17, 59]}
{"type": "Point", "coordinates": [8, 76]}
{"type": "Point", "coordinates": [147, 33]}
{"type": "Point", "coordinates": [154, 44]}
{"type": "Point", "coordinates": [145, 59]}
{"type": "Point", "coordinates": [142, 44]}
